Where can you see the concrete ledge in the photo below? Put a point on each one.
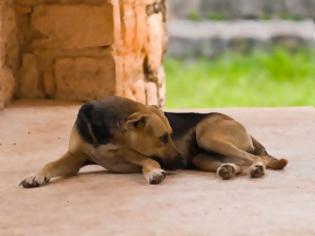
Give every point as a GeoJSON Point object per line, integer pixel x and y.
{"type": "Point", "coordinates": [209, 38]}
{"type": "Point", "coordinates": [242, 9]}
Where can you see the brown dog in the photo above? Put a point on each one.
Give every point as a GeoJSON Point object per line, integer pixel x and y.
{"type": "Point", "coordinates": [125, 136]}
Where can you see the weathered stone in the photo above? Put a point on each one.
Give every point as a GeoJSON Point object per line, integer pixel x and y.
{"type": "Point", "coordinates": [70, 49]}
{"type": "Point", "coordinates": [291, 42]}
{"type": "Point", "coordinates": [300, 8]}
{"type": "Point", "coordinates": [248, 9]}
{"type": "Point", "coordinates": [8, 52]}
{"type": "Point", "coordinates": [49, 84]}
{"type": "Point", "coordinates": [162, 95]}
{"type": "Point", "coordinates": [7, 86]}
{"type": "Point", "coordinates": [130, 79]}
{"type": "Point", "coordinates": [135, 89]}
{"type": "Point", "coordinates": [155, 91]}
{"type": "Point", "coordinates": [29, 84]}
{"type": "Point", "coordinates": [151, 93]}
{"type": "Point", "coordinates": [161, 76]}
{"type": "Point", "coordinates": [84, 78]}
{"type": "Point", "coordinates": [155, 46]}
{"type": "Point", "coordinates": [207, 39]}
{"type": "Point", "coordinates": [73, 26]}
{"type": "Point", "coordinates": [23, 10]}
{"type": "Point", "coordinates": [38, 2]}
{"type": "Point", "coordinates": [242, 9]}
{"type": "Point", "coordinates": [9, 36]}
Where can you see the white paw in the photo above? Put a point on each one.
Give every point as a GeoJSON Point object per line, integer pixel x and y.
{"type": "Point", "coordinates": [257, 170]}
{"type": "Point", "coordinates": [155, 176]}
{"type": "Point", "coordinates": [227, 171]}
{"type": "Point", "coordinates": [34, 180]}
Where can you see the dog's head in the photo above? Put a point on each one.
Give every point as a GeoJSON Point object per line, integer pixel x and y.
{"type": "Point", "coordinates": [146, 131]}
{"type": "Point", "coordinates": [150, 134]}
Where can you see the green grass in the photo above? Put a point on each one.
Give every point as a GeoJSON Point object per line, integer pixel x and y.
{"type": "Point", "coordinates": [216, 17]}
{"type": "Point", "coordinates": [277, 78]}
{"type": "Point", "coordinates": [194, 16]}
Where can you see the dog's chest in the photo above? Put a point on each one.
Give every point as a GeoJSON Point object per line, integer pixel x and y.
{"type": "Point", "coordinates": [184, 144]}
{"type": "Point", "coordinates": [106, 156]}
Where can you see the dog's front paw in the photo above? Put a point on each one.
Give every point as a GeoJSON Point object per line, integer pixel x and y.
{"type": "Point", "coordinates": [227, 171]}
{"type": "Point", "coordinates": [257, 170]}
{"type": "Point", "coordinates": [155, 176]}
{"type": "Point", "coordinates": [34, 180]}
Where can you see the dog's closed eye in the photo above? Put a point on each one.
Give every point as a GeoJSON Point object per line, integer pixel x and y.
{"type": "Point", "coordinates": [164, 138]}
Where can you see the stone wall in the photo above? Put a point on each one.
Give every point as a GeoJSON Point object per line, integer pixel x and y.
{"type": "Point", "coordinates": [242, 9]}
{"type": "Point", "coordinates": [88, 49]}
{"type": "Point", "coordinates": [8, 52]}
{"type": "Point", "coordinates": [209, 39]}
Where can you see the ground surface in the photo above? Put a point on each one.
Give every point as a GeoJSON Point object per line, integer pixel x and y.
{"type": "Point", "coordinates": [187, 203]}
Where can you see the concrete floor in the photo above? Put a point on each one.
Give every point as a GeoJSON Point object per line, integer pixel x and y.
{"type": "Point", "coordinates": [187, 203]}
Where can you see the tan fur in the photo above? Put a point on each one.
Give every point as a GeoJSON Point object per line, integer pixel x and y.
{"type": "Point", "coordinates": [231, 142]}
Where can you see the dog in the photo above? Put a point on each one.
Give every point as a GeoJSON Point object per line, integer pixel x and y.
{"type": "Point", "coordinates": [125, 136]}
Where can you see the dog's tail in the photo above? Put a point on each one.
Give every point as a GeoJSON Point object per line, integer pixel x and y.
{"type": "Point", "coordinates": [271, 162]}
{"type": "Point", "coordinates": [276, 164]}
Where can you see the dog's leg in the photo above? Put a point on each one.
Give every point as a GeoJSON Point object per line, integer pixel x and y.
{"type": "Point", "coordinates": [257, 164]}
{"type": "Point", "coordinates": [68, 164]}
{"type": "Point", "coordinates": [226, 149]}
{"type": "Point", "coordinates": [151, 169]}
{"type": "Point", "coordinates": [271, 162]}
{"type": "Point", "coordinates": [226, 170]}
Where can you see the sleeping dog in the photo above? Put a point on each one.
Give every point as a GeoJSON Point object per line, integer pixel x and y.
{"type": "Point", "coordinates": [125, 136]}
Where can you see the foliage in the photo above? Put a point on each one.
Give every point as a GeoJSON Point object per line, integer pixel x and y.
{"type": "Point", "coordinates": [277, 78]}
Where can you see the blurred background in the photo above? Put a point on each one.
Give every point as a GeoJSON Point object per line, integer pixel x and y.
{"type": "Point", "coordinates": [226, 53]}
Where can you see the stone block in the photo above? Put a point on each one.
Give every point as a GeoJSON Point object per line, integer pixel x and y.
{"type": "Point", "coordinates": [7, 86]}
{"type": "Point", "coordinates": [130, 79]}
{"type": "Point", "coordinates": [29, 83]}
{"type": "Point", "coordinates": [300, 8]}
{"type": "Point", "coordinates": [73, 26]}
{"type": "Point", "coordinates": [152, 94]}
{"type": "Point", "coordinates": [49, 84]}
{"type": "Point", "coordinates": [70, 49]}
{"type": "Point", "coordinates": [84, 78]}
{"type": "Point", "coordinates": [9, 45]}
{"type": "Point", "coordinates": [155, 46]}
{"type": "Point", "coordinates": [39, 2]}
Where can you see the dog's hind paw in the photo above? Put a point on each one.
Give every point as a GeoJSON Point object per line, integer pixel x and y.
{"type": "Point", "coordinates": [227, 171]}
{"type": "Point", "coordinates": [257, 170]}
{"type": "Point", "coordinates": [33, 181]}
{"type": "Point", "coordinates": [155, 176]}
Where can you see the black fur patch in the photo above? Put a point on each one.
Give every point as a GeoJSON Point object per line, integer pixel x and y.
{"type": "Point", "coordinates": [97, 120]}
{"type": "Point", "coordinates": [174, 163]}
{"type": "Point", "coordinates": [88, 162]}
{"type": "Point", "coordinates": [92, 125]}
{"type": "Point", "coordinates": [181, 123]}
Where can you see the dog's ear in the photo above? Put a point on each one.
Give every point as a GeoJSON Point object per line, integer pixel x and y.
{"type": "Point", "coordinates": [157, 109]}
{"type": "Point", "coordinates": [84, 123]}
{"type": "Point", "coordinates": [136, 120]}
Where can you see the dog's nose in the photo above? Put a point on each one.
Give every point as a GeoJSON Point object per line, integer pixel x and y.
{"type": "Point", "coordinates": [181, 161]}
{"type": "Point", "coordinates": [174, 163]}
